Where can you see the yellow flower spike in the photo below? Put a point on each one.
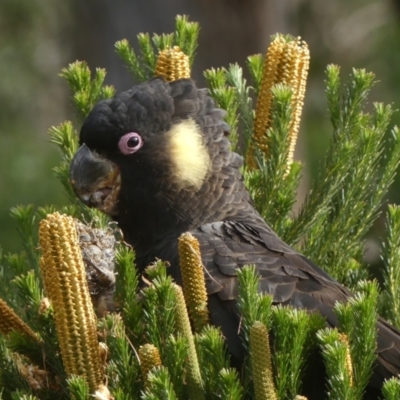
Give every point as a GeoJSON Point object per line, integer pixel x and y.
{"type": "Point", "coordinates": [149, 357]}
{"type": "Point", "coordinates": [261, 364]}
{"type": "Point", "coordinates": [298, 397]}
{"type": "Point", "coordinates": [297, 80]}
{"type": "Point", "coordinates": [10, 321]}
{"type": "Point", "coordinates": [349, 365]}
{"type": "Point", "coordinates": [270, 77]}
{"type": "Point", "coordinates": [286, 62]}
{"type": "Point", "coordinates": [194, 286]}
{"type": "Point", "coordinates": [172, 64]}
{"type": "Point", "coordinates": [194, 382]}
{"type": "Point", "coordinates": [65, 282]}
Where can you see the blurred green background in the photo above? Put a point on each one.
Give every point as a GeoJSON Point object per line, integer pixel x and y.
{"type": "Point", "coordinates": [38, 38]}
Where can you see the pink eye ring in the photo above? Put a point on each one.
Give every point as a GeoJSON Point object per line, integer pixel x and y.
{"type": "Point", "coordinates": [130, 143]}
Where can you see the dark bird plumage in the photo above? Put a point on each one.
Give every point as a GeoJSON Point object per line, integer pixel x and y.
{"type": "Point", "coordinates": [182, 176]}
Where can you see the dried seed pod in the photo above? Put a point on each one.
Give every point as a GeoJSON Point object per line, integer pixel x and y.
{"type": "Point", "coordinates": [97, 247]}
{"type": "Point", "coordinates": [102, 393]}
{"type": "Point", "coordinates": [286, 62]}
{"type": "Point", "coordinates": [194, 381]}
{"type": "Point", "coordinates": [194, 287]}
{"type": "Point", "coordinates": [65, 282]}
{"type": "Point", "coordinates": [44, 305]}
{"type": "Point", "coordinates": [36, 378]}
{"type": "Point", "coordinates": [10, 321]}
{"type": "Point", "coordinates": [172, 64]}
{"type": "Point", "coordinates": [104, 352]}
{"type": "Point", "coordinates": [261, 362]}
{"type": "Point", "coordinates": [149, 358]}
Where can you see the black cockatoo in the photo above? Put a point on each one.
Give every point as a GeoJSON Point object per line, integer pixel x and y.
{"type": "Point", "coordinates": [157, 159]}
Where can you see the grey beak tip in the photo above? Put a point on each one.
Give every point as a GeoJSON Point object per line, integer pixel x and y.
{"type": "Point", "coordinates": [87, 168]}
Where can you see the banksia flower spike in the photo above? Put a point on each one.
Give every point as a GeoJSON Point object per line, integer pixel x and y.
{"type": "Point", "coordinates": [66, 286]}
{"type": "Point", "coordinates": [10, 321]}
{"type": "Point", "coordinates": [194, 382]}
{"type": "Point", "coordinates": [349, 365]}
{"type": "Point", "coordinates": [194, 287]}
{"type": "Point", "coordinates": [261, 363]}
{"type": "Point", "coordinates": [172, 64]}
{"type": "Point", "coordinates": [286, 62]}
{"type": "Point", "coordinates": [149, 357]}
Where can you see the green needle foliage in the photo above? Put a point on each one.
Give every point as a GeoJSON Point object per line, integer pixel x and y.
{"type": "Point", "coordinates": [226, 98]}
{"type": "Point", "coordinates": [358, 320]}
{"type": "Point", "coordinates": [210, 345]}
{"type": "Point", "coordinates": [175, 356]}
{"type": "Point", "coordinates": [234, 77]}
{"type": "Point", "coordinates": [194, 380]}
{"type": "Point", "coordinates": [272, 176]}
{"type": "Point", "coordinates": [142, 66]}
{"type": "Point", "coordinates": [159, 307]}
{"type": "Point", "coordinates": [343, 203]}
{"type": "Point", "coordinates": [123, 368]}
{"type": "Point", "coordinates": [255, 64]}
{"type": "Point", "coordinates": [253, 306]}
{"type": "Point", "coordinates": [160, 386]}
{"type": "Point", "coordinates": [358, 171]}
{"type": "Point", "coordinates": [87, 91]}
{"type": "Point", "coordinates": [231, 92]}
{"type": "Point", "coordinates": [295, 330]}
{"type": "Point", "coordinates": [348, 193]}
{"type": "Point", "coordinates": [349, 363]}
{"type": "Point", "coordinates": [229, 386]}
{"type": "Point", "coordinates": [78, 388]}
{"type": "Point", "coordinates": [391, 256]}
{"type": "Point", "coordinates": [334, 352]}
{"type": "Point", "coordinates": [391, 389]}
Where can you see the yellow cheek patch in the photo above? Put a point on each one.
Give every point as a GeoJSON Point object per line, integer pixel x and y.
{"type": "Point", "coordinates": [189, 155]}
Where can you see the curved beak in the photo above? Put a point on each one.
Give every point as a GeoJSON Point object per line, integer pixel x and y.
{"type": "Point", "coordinates": [95, 180]}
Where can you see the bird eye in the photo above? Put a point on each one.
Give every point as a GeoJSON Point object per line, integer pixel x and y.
{"type": "Point", "coordinates": [130, 143]}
